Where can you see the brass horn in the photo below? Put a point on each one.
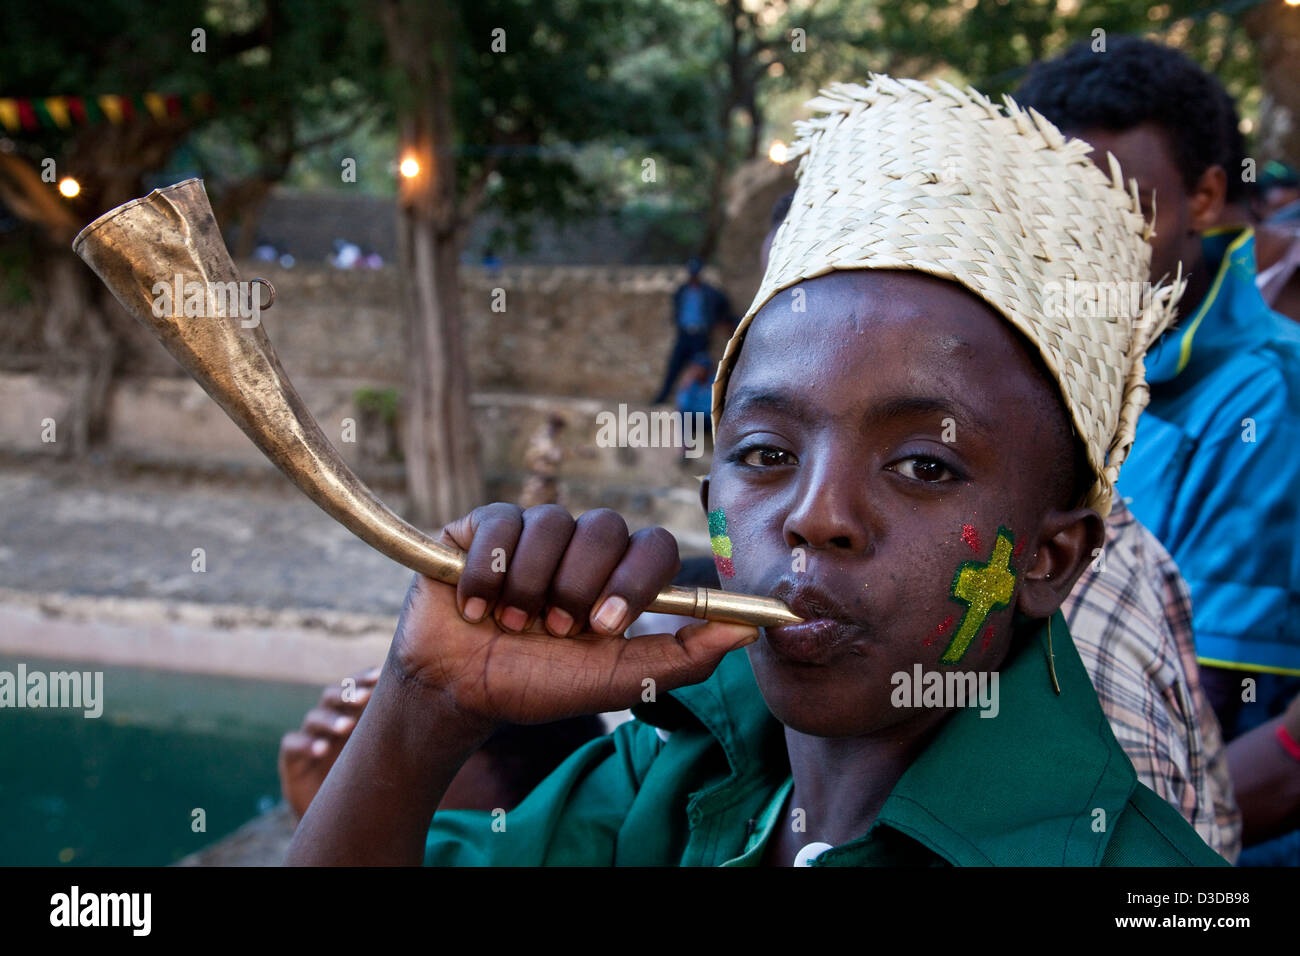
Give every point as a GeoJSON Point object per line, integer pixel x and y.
{"type": "Point", "coordinates": [149, 247]}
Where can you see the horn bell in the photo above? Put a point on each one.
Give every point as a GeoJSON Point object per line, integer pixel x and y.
{"type": "Point", "coordinates": [169, 239]}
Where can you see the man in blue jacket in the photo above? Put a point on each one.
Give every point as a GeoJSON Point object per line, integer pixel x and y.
{"type": "Point", "coordinates": [697, 308]}
{"type": "Point", "coordinates": [1215, 467]}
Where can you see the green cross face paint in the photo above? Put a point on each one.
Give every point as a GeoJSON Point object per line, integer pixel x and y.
{"type": "Point", "coordinates": [983, 587]}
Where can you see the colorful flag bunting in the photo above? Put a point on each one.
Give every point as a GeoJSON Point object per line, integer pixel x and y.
{"type": "Point", "coordinates": [65, 112]}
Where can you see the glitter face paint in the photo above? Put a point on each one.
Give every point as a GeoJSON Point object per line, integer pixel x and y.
{"type": "Point", "coordinates": [971, 537]}
{"type": "Point", "coordinates": [721, 543]}
{"type": "Point", "coordinates": [984, 588]}
{"type": "Point", "coordinates": [988, 639]}
{"type": "Point", "coordinates": [940, 630]}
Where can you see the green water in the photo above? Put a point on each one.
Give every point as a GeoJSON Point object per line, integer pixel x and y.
{"type": "Point", "coordinates": [121, 789]}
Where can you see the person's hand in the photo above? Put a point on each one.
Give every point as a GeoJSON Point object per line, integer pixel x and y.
{"type": "Point", "coordinates": [533, 630]}
{"type": "Point", "coordinates": [306, 754]}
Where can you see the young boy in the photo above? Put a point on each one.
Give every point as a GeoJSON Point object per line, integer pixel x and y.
{"type": "Point", "coordinates": [896, 457]}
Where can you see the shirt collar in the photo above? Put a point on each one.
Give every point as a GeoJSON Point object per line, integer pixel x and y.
{"type": "Point", "coordinates": [731, 707]}
{"type": "Point", "coordinates": [1226, 318]}
{"type": "Point", "coordinates": [1047, 771]}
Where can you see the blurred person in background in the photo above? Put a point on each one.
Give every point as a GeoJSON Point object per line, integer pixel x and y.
{"type": "Point", "coordinates": [1277, 245]}
{"type": "Point", "coordinates": [1279, 186]}
{"type": "Point", "coordinates": [1215, 466]}
{"type": "Point", "coordinates": [512, 762]}
{"type": "Point", "coordinates": [697, 308]}
{"type": "Point", "coordinates": [695, 397]}
{"type": "Point", "coordinates": [542, 460]}
{"type": "Point", "coordinates": [347, 255]}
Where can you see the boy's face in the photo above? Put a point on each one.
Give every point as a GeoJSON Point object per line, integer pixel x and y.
{"type": "Point", "coordinates": [884, 464]}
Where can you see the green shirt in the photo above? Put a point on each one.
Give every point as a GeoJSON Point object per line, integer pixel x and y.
{"type": "Point", "coordinates": [1044, 783]}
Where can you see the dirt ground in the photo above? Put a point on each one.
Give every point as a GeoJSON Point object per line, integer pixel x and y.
{"type": "Point", "coordinates": [94, 530]}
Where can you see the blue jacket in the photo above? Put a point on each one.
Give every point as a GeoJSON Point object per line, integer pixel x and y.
{"type": "Point", "coordinates": [715, 309]}
{"type": "Point", "coordinates": [1215, 466]}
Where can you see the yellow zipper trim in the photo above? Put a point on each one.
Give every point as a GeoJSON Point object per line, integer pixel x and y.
{"type": "Point", "coordinates": [1185, 345]}
{"type": "Point", "coordinates": [1235, 666]}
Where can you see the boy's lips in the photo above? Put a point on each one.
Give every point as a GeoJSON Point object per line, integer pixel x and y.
{"type": "Point", "coordinates": [826, 625]}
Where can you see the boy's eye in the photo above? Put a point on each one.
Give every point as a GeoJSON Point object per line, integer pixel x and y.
{"type": "Point", "coordinates": [923, 468]}
{"type": "Point", "coordinates": [766, 457]}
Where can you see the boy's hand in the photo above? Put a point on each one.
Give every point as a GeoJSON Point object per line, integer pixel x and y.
{"type": "Point", "coordinates": [307, 754]}
{"type": "Point", "coordinates": [533, 631]}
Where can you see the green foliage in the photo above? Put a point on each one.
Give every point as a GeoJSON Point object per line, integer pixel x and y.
{"type": "Point", "coordinates": [987, 43]}
{"type": "Point", "coordinates": [990, 43]}
{"type": "Point", "coordinates": [274, 69]}
{"type": "Point", "coordinates": [300, 84]}
{"type": "Point", "coordinates": [592, 82]}
{"type": "Point", "coordinates": [291, 89]}
{"type": "Point", "coordinates": [661, 233]}
{"type": "Point", "coordinates": [17, 262]}
{"type": "Point", "coordinates": [585, 90]}
{"type": "Point", "coordinates": [381, 401]}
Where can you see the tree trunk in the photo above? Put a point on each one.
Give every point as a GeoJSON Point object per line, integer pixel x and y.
{"type": "Point", "coordinates": [730, 95]}
{"type": "Point", "coordinates": [241, 206]}
{"type": "Point", "coordinates": [713, 217]}
{"type": "Point", "coordinates": [1274, 28]}
{"type": "Point", "coordinates": [80, 320]}
{"type": "Point", "coordinates": [440, 445]}
{"type": "Point", "coordinates": [78, 340]}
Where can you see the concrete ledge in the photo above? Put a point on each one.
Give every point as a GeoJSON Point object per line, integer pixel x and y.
{"type": "Point", "coordinates": [296, 646]}
{"type": "Point", "coordinates": [262, 841]}
{"type": "Point", "coordinates": [157, 419]}
{"type": "Point", "coordinates": [26, 400]}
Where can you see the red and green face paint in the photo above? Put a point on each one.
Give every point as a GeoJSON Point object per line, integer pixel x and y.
{"type": "Point", "coordinates": [721, 543]}
{"type": "Point", "coordinates": [983, 587]}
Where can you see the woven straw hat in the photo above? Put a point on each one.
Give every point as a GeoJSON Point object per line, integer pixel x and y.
{"type": "Point", "coordinates": [901, 174]}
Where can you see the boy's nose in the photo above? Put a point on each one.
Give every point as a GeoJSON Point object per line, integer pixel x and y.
{"type": "Point", "coordinates": [829, 512]}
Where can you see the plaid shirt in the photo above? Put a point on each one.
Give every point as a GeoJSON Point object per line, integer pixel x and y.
{"type": "Point", "coordinates": [1130, 615]}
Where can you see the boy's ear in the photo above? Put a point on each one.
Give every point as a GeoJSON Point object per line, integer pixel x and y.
{"type": "Point", "coordinates": [1068, 541]}
{"type": "Point", "coordinates": [704, 493]}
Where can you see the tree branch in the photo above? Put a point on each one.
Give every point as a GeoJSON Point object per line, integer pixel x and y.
{"type": "Point", "coordinates": [35, 201]}
{"type": "Point", "coordinates": [474, 194]}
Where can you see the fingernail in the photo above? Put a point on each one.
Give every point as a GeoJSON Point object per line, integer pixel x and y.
{"type": "Point", "coordinates": [513, 619]}
{"type": "Point", "coordinates": [611, 613]}
{"type": "Point", "coordinates": [318, 748]}
{"type": "Point", "coordinates": [559, 621]}
{"type": "Point", "coordinates": [475, 608]}
{"type": "Point", "coordinates": [744, 634]}
{"type": "Point", "coordinates": [341, 724]}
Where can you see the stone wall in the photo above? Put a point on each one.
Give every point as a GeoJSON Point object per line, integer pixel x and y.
{"type": "Point", "coordinates": [577, 331]}
{"type": "Point", "coordinates": [170, 423]}
{"type": "Point", "coordinates": [306, 223]}
{"type": "Point", "coordinates": [566, 340]}
{"type": "Point", "coordinates": [753, 191]}
{"type": "Point", "coordinates": [581, 331]}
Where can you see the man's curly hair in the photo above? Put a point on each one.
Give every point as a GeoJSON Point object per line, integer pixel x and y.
{"type": "Point", "coordinates": [1133, 82]}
